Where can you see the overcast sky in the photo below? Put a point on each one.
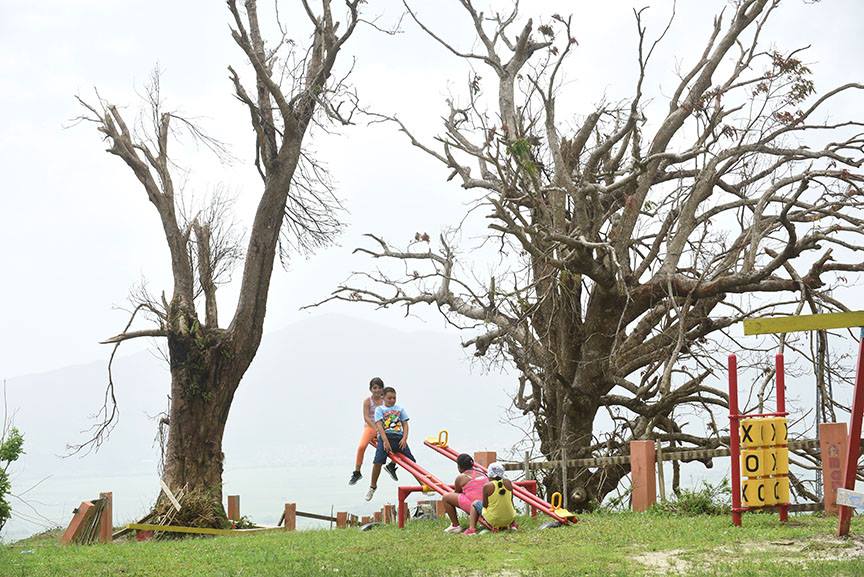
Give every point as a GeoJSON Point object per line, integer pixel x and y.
{"type": "Point", "coordinates": [77, 232]}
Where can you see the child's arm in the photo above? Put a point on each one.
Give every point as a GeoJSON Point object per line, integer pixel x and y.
{"type": "Point", "coordinates": [369, 422]}
{"type": "Point", "coordinates": [487, 490]}
{"type": "Point", "coordinates": [403, 442]}
{"type": "Point", "coordinates": [380, 427]}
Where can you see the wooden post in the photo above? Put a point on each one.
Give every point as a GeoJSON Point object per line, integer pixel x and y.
{"type": "Point", "coordinates": [290, 516]}
{"type": "Point", "coordinates": [341, 520]}
{"type": "Point", "coordinates": [75, 523]}
{"type": "Point", "coordinates": [661, 477]}
{"type": "Point", "coordinates": [832, 446]}
{"type": "Point", "coordinates": [485, 458]}
{"type": "Point", "coordinates": [234, 507]}
{"type": "Point", "coordinates": [378, 516]}
{"type": "Point", "coordinates": [642, 478]}
{"type": "Point", "coordinates": [365, 520]}
{"type": "Point", "coordinates": [387, 514]}
{"type": "Point", "coordinates": [564, 490]}
{"type": "Point", "coordinates": [440, 509]}
{"type": "Point", "coordinates": [106, 521]}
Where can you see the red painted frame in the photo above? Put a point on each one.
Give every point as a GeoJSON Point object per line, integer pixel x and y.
{"type": "Point", "coordinates": [853, 447]}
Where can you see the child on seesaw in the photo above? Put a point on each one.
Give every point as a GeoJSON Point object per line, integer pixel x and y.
{"type": "Point", "coordinates": [391, 421]}
{"type": "Point", "coordinates": [497, 504]}
{"type": "Point", "coordinates": [376, 387]}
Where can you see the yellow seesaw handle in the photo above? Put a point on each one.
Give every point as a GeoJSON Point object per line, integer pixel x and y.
{"type": "Point", "coordinates": [557, 500]}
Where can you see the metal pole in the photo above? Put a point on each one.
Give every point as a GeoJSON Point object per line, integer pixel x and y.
{"type": "Point", "coordinates": [734, 440]}
{"type": "Point", "coordinates": [853, 448]}
{"type": "Point", "coordinates": [780, 371]}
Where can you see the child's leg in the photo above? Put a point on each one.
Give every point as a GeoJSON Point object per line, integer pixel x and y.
{"type": "Point", "coordinates": [380, 459]}
{"type": "Point", "coordinates": [406, 451]}
{"type": "Point", "coordinates": [451, 501]}
{"type": "Point", "coordinates": [365, 438]}
{"type": "Point", "coordinates": [376, 472]}
{"type": "Point", "coordinates": [473, 516]}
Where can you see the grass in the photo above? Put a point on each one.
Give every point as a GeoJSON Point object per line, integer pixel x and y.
{"type": "Point", "coordinates": [607, 544]}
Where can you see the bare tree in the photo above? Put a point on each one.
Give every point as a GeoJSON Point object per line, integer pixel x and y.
{"type": "Point", "coordinates": [296, 211]}
{"type": "Point", "coordinates": [628, 245]}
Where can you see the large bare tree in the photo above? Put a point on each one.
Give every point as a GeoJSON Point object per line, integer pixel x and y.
{"type": "Point", "coordinates": [296, 210]}
{"type": "Point", "coordinates": [631, 239]}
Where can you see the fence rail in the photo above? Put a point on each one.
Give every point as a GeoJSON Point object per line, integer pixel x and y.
{"type": "Point", "coordinates": [683, 455]}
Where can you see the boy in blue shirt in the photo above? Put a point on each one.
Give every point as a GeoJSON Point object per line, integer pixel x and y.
{"type": "Point", "coordinates": [391, 422]}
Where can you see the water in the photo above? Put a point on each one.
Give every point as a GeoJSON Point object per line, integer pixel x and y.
{"type": "Point", "coordinates": [318, 483]}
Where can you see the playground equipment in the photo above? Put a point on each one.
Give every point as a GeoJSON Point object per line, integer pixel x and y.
{"type": "Point", "coordinates": [758, 442]}
{"type": "Point", "coordinates": [821, 322]}
{"type": "Point", "coordinates": [428, 482]}
{"type": "Point", "coordinates": [554, 509]}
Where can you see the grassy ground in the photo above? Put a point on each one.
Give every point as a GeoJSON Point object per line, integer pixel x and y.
{"type": "Point", "coordinates": [614, 544]}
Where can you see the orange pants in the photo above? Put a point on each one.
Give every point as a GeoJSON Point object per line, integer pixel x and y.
{"type": "Point", "coordinates": [369, 435]}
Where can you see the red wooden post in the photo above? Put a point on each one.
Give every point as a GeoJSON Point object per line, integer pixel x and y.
{"type": "Point", "coordinates": [780, 371]}
{"type": "Point", "coordinates": [485, 458]}
{"type": "Point", "coordinates": [832, 446]}
{"type": "Point", "coordinates": [341, 520]}
{"type": "Point", "coordinates": [642, 474]}
{"type": "Point", "coordinates": [106, 521]}
{"type": "Point", "coordinates": [531, 486]}
{"type": "Point", "coordinates": [734, 440]}
{"type": "Point", "coordinates": [403, 508]}
{"type": "Point", "coordinates": [389, 514]}
{"type": "Point", "coordinates": [853, 447]}
{"type": "Point", "coordinates": [378, 516]}
{"type": "Point", "coordinates": [75, 523]}
{"type": "Point", "coordinates": [290, 516]}
{"type": "Point", "coordinates": [233, 507]}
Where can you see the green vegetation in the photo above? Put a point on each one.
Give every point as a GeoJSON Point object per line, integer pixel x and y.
{"type": "Point", "coordinates": [11, 447]}
{"type": "Point", "coordinates": [614, 544]}
{"type": "Point", "coordinates": [707, 500]}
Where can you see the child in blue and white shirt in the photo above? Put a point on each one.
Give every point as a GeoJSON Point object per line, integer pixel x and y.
{"type": "Point", "coordinates": [391, 421]}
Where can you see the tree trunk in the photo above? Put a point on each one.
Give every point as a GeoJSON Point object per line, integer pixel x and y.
{"type": "Point", "coordinates": [203, 381]}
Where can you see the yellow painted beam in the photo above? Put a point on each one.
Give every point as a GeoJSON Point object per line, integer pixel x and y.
{"type": "Point", "coordinates": [198, 530]}
{"type": "Point", "coordinates": [791, 324]}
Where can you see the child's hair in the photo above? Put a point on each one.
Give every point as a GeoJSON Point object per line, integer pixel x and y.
{"type": "Point", "coordinates": [376, 382]}
{"type": "Point", "coordinates": [388, 390]}
{"type": "Point", "coordinates": [465, 462]}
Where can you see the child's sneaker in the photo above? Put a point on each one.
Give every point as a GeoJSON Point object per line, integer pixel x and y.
{"type": "Point", "coordinates": [470, 532]}
{"type": "Point", "coordinates": [514, 526]}
{"type": "Point", "coordinates": [391, 470]}
{"type": "Point", "coordinates": [355, 476]}
{"type": "Point", "coordinates": [453, 529]}
{"type": "Point", "coordinates": [370, 493]}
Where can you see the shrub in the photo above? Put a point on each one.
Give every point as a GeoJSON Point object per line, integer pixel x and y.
{"type": "Point", "coordinates": [707, 500]}
{"type": "Point", "coordinates": [11, 447]}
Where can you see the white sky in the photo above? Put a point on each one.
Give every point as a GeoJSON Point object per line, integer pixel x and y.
{"type": "Point", "coordinates": [77, 232]}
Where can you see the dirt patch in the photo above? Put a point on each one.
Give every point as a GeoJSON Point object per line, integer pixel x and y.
{"type": "Point", "coordinates": [663, 562]}
{"type": "Point", "coordinates": [834, 548]}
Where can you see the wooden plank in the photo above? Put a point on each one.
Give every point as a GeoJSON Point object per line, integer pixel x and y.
{"type": "Point", "coordinates": [316, 516]}
{"type": "Point", "coordinates": [682, 455]}
{"type": "Point", "coordinates": [170, 495]}
{"type": "Point", "coordinates": [854, 499]}
{"type": "Point", "coordinates": [196, 530]}
{"type": "Point", "coordinates": [791, 324]}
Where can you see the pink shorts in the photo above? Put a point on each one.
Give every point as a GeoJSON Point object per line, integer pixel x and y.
{"type": "Point", "coordinates": [465, 503]}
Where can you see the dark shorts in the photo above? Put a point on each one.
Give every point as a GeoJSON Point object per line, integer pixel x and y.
{"type": "Point", "coordinates": [381, 454]}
